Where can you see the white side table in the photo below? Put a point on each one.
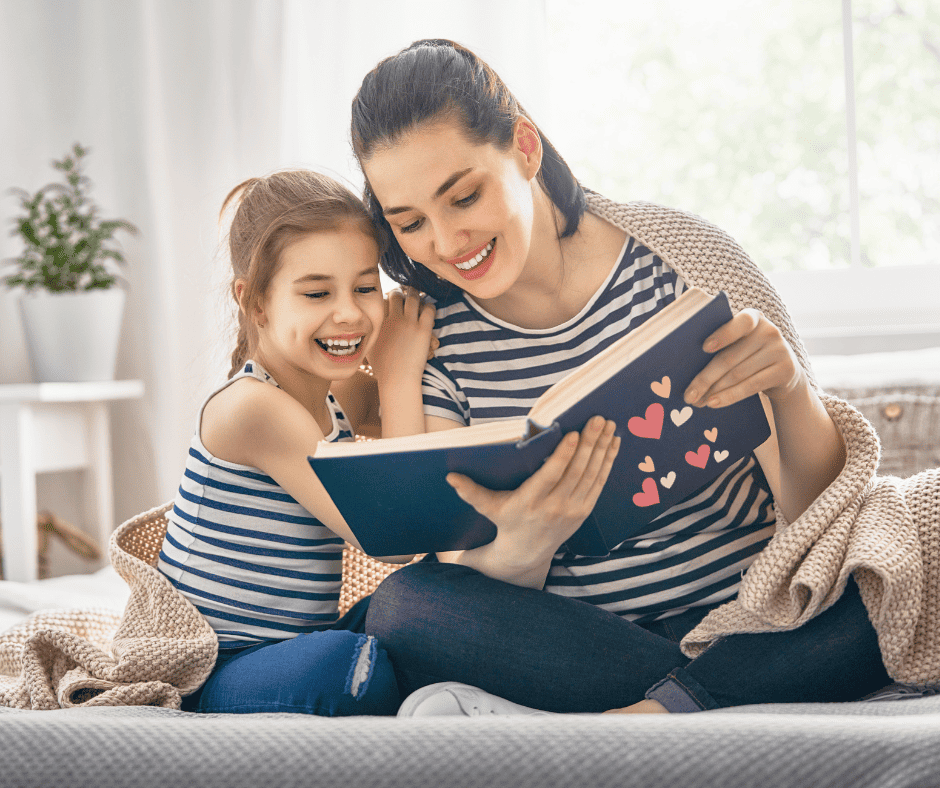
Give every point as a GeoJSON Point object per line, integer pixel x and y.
{"type": "Point", "coordinates": [47, 427]}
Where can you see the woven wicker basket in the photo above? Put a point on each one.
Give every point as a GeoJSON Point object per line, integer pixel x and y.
{"type": "Point", "coordinates": [142, 537]}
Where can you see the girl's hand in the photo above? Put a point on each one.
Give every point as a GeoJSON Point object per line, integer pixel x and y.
{"type": "Point", "coordinates": [405, 342]}
{"type": "Point", "coordinates": [751, 356]}
{"type": "Point", "coordinates": [534, 519]}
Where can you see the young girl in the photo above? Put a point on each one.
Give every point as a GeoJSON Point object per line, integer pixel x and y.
{"type": "Point", "coordinates": [532, 274]}
{"type": "Point", "coordinates": [254, 542]}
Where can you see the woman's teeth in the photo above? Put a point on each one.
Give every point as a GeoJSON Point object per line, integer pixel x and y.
{"type": "Point", "coordinates": [474, 262]}
{"type": "Point", "coordinates": [340, 347]}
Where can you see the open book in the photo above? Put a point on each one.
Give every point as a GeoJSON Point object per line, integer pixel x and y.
{"type": "Point", "coordinates": [393, 494]}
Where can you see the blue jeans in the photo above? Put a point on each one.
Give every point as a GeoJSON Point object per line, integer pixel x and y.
{"type": "Point", "coordinates": [332, 673]}
{"type": "Point", "coordinates": [443, 622]}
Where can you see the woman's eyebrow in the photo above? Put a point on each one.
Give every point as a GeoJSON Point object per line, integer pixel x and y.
{"type": "Point", "coordinates": [440, 191]}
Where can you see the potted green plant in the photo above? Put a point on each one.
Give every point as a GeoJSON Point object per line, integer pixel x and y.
{"type": "Point", "coordinates": [73, 299]}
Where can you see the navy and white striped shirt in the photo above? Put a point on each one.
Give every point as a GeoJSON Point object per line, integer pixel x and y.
{"type": "Point", "coordinates": [489, 370]}
{"type": "Point", "coordinates": [251, 559]}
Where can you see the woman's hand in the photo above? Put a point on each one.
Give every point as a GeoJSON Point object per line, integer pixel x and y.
{"type": "Point", "coordinates": [405, 342]}
{"type": "Point", "coordinates": [534, 519]}
{"type": "Point", "coordinates": [805, 452]}
{"type": "Point", "coordinates": [751, 356]}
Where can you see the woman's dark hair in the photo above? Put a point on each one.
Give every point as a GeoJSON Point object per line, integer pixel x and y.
{"type": "Point", "coordinates": [437, 79]}
{"type": "Point", "coordinates": [270, 214]}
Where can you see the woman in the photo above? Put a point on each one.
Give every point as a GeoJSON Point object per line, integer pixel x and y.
{"type": "Point", "coordinates": [531, 272]}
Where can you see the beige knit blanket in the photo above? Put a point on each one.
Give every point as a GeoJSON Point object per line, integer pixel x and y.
{"type": "Point", "coordinates": [159, 650]}
{"type": "Point", "coordinates": [886, 531]}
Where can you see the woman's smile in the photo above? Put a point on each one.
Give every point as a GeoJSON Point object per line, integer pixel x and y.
{"type": "Point", "coordinates": [476, 264]}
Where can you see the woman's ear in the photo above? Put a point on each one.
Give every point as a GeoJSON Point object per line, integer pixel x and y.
{"type": "Point", "coordinates": [528, 142]}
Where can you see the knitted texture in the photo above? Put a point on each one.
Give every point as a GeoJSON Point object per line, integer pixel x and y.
{"type": "Point", "coordinates": [160, 649]}
{"type": "Point", "coordinates": [883, 530]}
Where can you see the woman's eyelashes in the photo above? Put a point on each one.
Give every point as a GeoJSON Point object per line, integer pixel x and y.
{"type": "Point", "coordinates": [463, 202]}
{"type": "Point", "coordinates": [467, 201]}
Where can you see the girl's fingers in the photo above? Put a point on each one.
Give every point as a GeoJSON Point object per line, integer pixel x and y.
{"type": "Point", "coordinates": [394, 302]}
{"type": "Point", "coordinates": [411, 306]}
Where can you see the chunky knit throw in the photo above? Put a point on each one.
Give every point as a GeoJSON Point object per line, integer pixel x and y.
{"type": "Point", "coordinates": [159, 650]}
{"type": "Point", "coordinates": [885, 531]}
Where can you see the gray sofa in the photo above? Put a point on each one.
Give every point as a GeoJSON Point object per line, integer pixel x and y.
{"type": "Point", "coordinates": [884, 743]}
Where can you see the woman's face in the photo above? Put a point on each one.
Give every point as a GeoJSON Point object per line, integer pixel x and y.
{"type": "Point", "coordinates": [463, 210]}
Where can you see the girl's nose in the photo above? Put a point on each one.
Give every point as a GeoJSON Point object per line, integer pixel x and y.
{"type": "Point", "coordinates": [346, 310]}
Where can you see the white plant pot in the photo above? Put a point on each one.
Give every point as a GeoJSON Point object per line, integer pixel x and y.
{"type": "Point", "coordinates": [73, 337]}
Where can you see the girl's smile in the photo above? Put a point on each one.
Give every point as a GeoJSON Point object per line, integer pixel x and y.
{"type": "Point", "coordinates": [343, 349]}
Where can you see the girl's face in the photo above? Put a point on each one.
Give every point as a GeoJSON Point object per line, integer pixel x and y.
{"type": "Point", "coordinates": [324, 306]}
{"type": "Point", "coordinates": [463, 210]}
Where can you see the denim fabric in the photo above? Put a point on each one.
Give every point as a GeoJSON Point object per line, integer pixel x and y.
{"type": "Point", "coordinates": [443, 622]}
{"type": "Point", "coordinates": [332, 673]}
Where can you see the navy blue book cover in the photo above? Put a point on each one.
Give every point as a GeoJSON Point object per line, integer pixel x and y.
{"type": "Point", "coordinates": [400, 503]}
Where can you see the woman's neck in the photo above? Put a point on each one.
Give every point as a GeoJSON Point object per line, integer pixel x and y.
{"type": "Point", "coordinates": [561, 275]}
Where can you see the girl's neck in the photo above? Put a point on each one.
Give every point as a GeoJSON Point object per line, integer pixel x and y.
{"type": "Point", "coordinates": [309, 390]}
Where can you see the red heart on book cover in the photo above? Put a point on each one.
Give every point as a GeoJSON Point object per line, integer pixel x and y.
{"type": "Point", "coordinates": [700, 457]}
{"type": "Point", "coordinates": [651, 426]}
{"type": "Point", "coordinates": [649, 496]}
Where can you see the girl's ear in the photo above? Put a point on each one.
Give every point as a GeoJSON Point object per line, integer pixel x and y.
{"type": "Point", "coordinates": [527, 141]}
{"type": "Point", "coordinates": [255, 314]}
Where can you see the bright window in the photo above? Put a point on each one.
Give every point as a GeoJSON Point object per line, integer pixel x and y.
{"type": "Point", "coordinates": [736, 110]}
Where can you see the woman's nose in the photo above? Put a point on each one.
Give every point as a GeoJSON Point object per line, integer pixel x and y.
{"type": "Point", "coordinates": [450, 242]}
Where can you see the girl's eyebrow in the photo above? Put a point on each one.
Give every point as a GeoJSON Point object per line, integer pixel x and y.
{"type": "Point", "coordinates": [440, 191]}
{"type": "Point", "coordinates": [326, 277]}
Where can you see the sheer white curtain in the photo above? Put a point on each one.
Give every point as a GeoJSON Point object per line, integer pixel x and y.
{"type": "Point", "coordinates": [178, 103]}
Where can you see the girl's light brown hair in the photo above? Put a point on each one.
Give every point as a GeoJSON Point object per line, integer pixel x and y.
{"type": "Point", "coordinates": [273, 212]}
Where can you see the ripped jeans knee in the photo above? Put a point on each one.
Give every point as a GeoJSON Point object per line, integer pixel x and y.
{"type": "Point", "coordinates": [334, 673]}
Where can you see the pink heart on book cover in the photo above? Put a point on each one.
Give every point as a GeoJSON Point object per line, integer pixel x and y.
{"type": "Point", "coordinates": [649, 496]}
{"type": "Point", "coordinates": [647, 466]}
{"type": "Point", "coordinates": [662, 388]}
{"type": "Point", "coordinates": [711, 434]}
{"type": "Point", "coordinates": [700, 457]}
{"type": "Point", "coordinates": [651, 426]}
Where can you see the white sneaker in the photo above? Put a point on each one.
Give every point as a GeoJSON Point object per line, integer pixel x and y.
{"type": "Point", "coordinates": [452, 699]}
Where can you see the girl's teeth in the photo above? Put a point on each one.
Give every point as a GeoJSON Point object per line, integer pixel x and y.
{"type": "Point", "coordinates": [475, 261]}
{"type": "Point", "coordinates": [341, 347]}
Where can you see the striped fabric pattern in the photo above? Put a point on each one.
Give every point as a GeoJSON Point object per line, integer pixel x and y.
{"type": "Point", "coordinates": [488, 370]}
{"type": "Point", "coordinates": [251, 559]}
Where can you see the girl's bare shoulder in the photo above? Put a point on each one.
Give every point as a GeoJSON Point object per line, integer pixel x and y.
{"type": "Point", "coordinates": [243, 417]}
